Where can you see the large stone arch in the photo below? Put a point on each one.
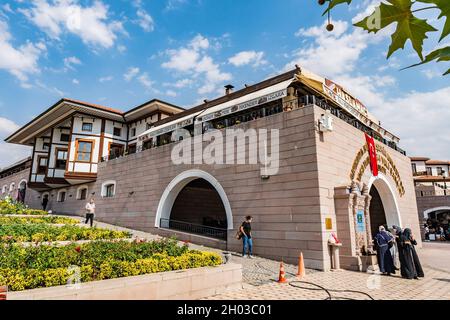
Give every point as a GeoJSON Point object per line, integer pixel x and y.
{"type": "Point", "coordinates": [178, 183]}
{"type": "Point", "coordinates": [388, 198]}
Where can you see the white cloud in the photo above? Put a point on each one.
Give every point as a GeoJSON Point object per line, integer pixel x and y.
{"type": "Point", "coordinates": [70, 62]}
{"type": "Point", "coordinates": [332, 53]}
{"type": "Point", "coordinates": [10, 153]}
{"type": "Point", "coordinates": [243, 58]}
{"type": "Point", "coordinates": [90, 23]}
{"type": "Point", "coordinates": [7, 8]}
{"type": "Point", "coordinates": [183, 83]}
{"type": "Point", "coordinates": [21, 61]}
{"type": "Point", "coordinates": [75, 81]}
{"type": "Point", "coordinates": [145, 20]}
{"type": "Point", "coordinates": [171, 93]}
{"type": "Point", "coordinates": [193, 60]}
{"type": "Point", "coordinates": [144, 79]}
{"type": "Point", "coordinates": [131, 73]}
{"type": "Point", "coordinates": [174, 4]}
{"type": "Point", "coordinates": [122, 48]}
{"type": "Point", "coordinates": [105, 79]}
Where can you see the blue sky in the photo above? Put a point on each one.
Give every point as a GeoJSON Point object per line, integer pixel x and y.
{"type": "Point", "coordinates": [123, 53]}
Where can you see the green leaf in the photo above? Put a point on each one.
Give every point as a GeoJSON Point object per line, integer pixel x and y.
{"type": "Point", "coordinates": [334, 3]}
{"type": "Point", "coordinates": [444, 6]}
{"type": "Point", "coordinates": [408, 26]}
{"type": "Point", "coordinates": [442, 54]}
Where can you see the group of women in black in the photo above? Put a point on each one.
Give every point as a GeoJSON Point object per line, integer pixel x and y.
{"type": "Point", "coordinates": [410, 267]}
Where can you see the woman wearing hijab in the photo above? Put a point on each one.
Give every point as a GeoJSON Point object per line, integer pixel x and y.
{"type": "Point", "coordinates": [410, 267]}
{"type": "Point", "coordinates": [383, 241]}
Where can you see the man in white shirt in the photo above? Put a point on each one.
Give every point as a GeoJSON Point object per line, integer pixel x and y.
{"type": "Point", "coordinates": [90, 211]}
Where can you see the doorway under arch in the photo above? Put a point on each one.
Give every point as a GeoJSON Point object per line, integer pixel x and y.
{"type": "Point", "coordinates": [383, 206]}
{"type": "Point", "coordinates": [195, 202]}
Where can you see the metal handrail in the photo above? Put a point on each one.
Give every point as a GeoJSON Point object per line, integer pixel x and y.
{"type": "Point", "coordinates": [213, 232]}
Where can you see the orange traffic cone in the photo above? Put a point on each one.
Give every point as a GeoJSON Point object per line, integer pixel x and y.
{"type": "Point", "coordinates": [3, 292]}
{"type": "Point", "coordinates": [282, 277]}
{"type": "Point", "coordinates": [301, 266]}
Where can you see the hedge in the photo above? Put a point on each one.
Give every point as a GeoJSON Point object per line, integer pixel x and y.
{"type": "Point", "coordinates": [8, 206]}
{"type": "Point", "coordinates": [4, 220]}
{"type": "Point", "coordinates": [17, 279]}
{"type": "Point", "coordinates": [45, 232]}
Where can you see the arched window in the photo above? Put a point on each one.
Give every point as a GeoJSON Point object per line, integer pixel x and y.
{"type": "Point", "coordinates": [62, 195]}
{"type": "Point", "coordinates": [109, 189]}
{"type": "Point", "coordinates": [12, 186]}
{"type": "Point", "coordinates": [4, 189]}
{"type": "Point", "coordinates": [82, 193]}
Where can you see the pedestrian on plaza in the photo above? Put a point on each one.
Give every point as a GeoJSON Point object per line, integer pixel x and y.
{"type": "Point", "coordinates": [44, 202]}
{"type": "Point", "coordinates": [410, 263]}
{"type": "Point", "coordinates": [246, 231]}
{"type": "Point", "coordinates": [427, 232]}
{"type": "Point", "coordinates": [384, 241]}
{"type": "Point", "coordinates": [90, 211]}
{"type": "Point", "coordinates": [393, 247]}
{"type": "Point", "coordinates": [441, 234]}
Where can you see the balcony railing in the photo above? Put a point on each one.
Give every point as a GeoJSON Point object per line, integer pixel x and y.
{"type": "Point", "coordinates": [433, 193]}
{"type": "Point", "coordinates": [421, 173]}
{"type": "Point", "coordinates": [201, 230]}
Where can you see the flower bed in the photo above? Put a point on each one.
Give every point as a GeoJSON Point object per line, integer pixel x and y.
{"type": "Point", "coordinates": [45, 232]}
{"type": "Point", "coordinates": [4, 220]}
{"type": "Point", "coordinates": [46, 266]}
{"type": "Point", "coordinates": [8, 206]}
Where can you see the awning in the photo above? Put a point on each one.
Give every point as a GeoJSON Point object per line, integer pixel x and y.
{"type": "Point", "coordinates": [168, 127]}
{"type": "Point", "coordinates": [249, 101]}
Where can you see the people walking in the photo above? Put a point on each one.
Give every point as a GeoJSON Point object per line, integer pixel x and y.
{"type": "Point", "coordinates": [246, 230]}
{"type": "Point", "coordinates": [410, 263]}
{"type": "Point", "coordinates": [44, 202]}
{"type": "Point", "coordinates": [90, 211]}
{"type": "Point", "coordinates": [383, 242]}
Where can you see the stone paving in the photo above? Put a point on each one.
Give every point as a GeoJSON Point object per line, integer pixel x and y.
{"type": "Point", "coordinates": [259, 277]}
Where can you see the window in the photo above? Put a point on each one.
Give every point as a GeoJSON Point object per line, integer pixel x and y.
{"type": "Point", "coordinates": [117, 132]}
{"type": "Point", "coordinates": [147, 144]}
{"type": "Point", "coordinates": [84, 151]}
{"type": "Point", "coordinates": [65, 137]}
{"type": "Point", "coordinates": [46, 146]}
{"type": "Point", "coordinates": [440, 172]}
{"type": "Point", "coordinates": [87, 126]}
{"type": "Point", "coordinates": [133, 132]}
{"type": "Point", "coordinates": [82, 193]}
{"type": "Point", "coordinates": [414, 167]}
{"type": "Point", "coordinates": [12, 186]}
{"type": "Point", "coordinates": [149, 126]}
{"type": "Point", "coordinates": [42, 165]}
{"type": "Point", "coordinates": [429, 171]}
{"type": "Point", "coordinates": [61, 159]}
{"type": "Point", "coordinates": [4, 189]}
{"type": "Point", "coordinates": [132, 148]}
{"type": "Point", "coordinates": [62, 196]}
{"type": "Point", "coordinates": [108, 189]}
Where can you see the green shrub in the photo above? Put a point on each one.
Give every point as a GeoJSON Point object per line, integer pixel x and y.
{"type": "Point", "coordinates": [4, 220]}
{"type": "Point", "coordinates": [44, 232]}
{"type": "Point", "coordinates": [8, 206]}
{"type": "Point", "coordinates": [23, 279]}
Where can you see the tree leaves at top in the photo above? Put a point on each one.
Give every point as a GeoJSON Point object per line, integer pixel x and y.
{"type": "Point", "coordinates": [444, 6]}
{"type": "Point", "coordinates": [334, 3]}
{"type": "Point", "coordinates": [408, 26]}
{"type": "Point", "coordinates": [439, 55]}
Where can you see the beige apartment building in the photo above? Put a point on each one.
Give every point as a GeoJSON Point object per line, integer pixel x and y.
{"type": "Point", "coordinates": [323, 184]}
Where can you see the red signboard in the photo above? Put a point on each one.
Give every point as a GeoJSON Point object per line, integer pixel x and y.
{"type": "Point", "coordinates": [373, 155]}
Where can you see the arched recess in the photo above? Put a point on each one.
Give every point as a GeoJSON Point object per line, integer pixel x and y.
{"type": "Point", "coordinates": [176, 185]}
{"type": "Point", "coordinates": [426, 213]}
{"type": "Point", "coordinates": [388, 198]}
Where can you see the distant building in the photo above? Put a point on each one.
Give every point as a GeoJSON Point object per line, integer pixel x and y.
{"type": "Point", "coordinates": [431, 179]}
{"type": "Point", "coordinates": [325, 182]}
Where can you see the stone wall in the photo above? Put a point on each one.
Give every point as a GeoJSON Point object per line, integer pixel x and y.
{"type": "Point", "coordinates": [32, 198]}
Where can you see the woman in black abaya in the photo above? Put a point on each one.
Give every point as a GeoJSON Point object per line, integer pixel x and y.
{"type": "Point", "coordinates": [410, 263]}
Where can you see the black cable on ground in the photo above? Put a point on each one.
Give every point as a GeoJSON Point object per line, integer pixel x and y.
{"type": "Point", "coordinates": [317, 287]}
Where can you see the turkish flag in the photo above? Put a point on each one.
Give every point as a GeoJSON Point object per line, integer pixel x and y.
{"type": "Point", "coordinates": [372, 155]}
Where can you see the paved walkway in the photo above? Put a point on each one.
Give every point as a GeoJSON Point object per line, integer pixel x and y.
{"type": "Point", "coordinates": [259, 277]}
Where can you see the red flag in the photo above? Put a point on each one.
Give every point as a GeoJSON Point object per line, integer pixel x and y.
{"type": "Point", "coordinates": [372, 154]}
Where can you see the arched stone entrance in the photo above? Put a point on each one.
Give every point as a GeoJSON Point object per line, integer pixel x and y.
{"type": "Point", "coordinates": [208, 211]}
{"type": "Point", "coordinates": [384, 206]}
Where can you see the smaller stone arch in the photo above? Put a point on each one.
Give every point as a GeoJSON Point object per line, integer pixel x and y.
{"type": "Point", "coordinates": [178, 183]}
{"type": "Point", "coordinates": [427, 212]}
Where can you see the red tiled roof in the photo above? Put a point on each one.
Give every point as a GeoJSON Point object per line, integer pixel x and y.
{"type": "Point", "coordinates": [97, 106]}
{"type": "Point", "coordinates": [419, 159]}
{"type": "Point", "coordinates": [438, 162]}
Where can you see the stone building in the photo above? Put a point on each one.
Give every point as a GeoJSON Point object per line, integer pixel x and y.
{"type": "Point", "coordinates": [324, 182]}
